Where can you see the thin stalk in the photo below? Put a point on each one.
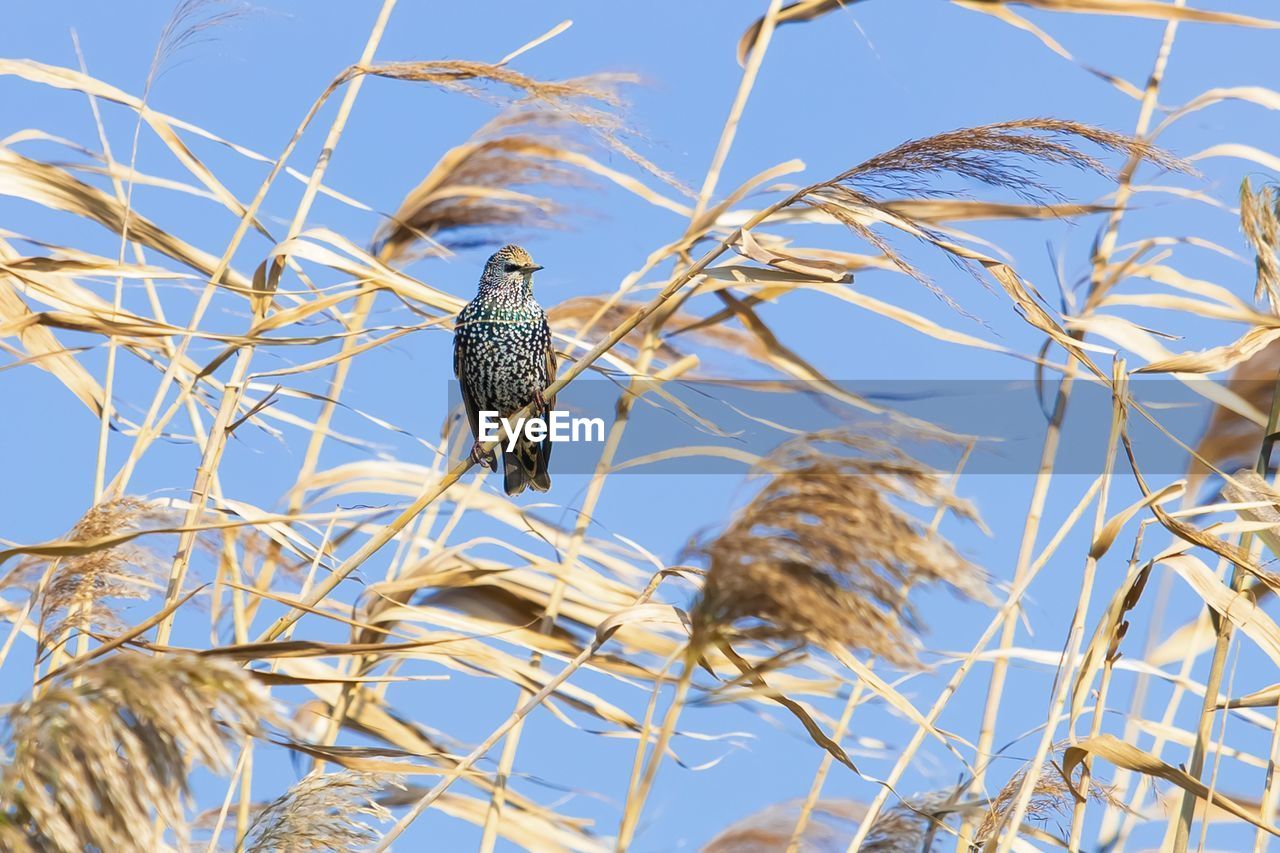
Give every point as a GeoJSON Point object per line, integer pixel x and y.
{"type": "Point", "coordinates": [1222, 628]}
{"type": "Point", "coordinates": [646, 725]}
{"type": "Point", "coordinates": [1270, 794]}
{"type": "Point", "coordinates": [1108, 831]}
{"type": "Point", "coordinates": [439, 487]}
{"type": "Point", "coordinates": [1097, 287]}
{"type": "Point", "coordinates": [1008, 630]}
{"type": "Point", "coordinates": [456, 772]}
{"type": "Point", "coordinates": [957, 678]}
{"type": "Point", "coordinates": [1071, 649]}
{"type": "Point", "coordinates": [749, 72]}
{"type": "Point", "coordinates": [1116, 841]}
{"type": "Point", "coordinates": [1099, 708]}
{"type": "Point", "coordinates": [635, 803]}
{"type": "Point", "coordinates": [243, 807]}
{"type": "Point", "coordinates": [226, 801]}
{"type": "Point", "coordinates": [117, 302]}
{"type": "Point", "coordinates": [234, 388]}
{"type": "Point", "coordinates": [625, 403]}
{"type": "Point", "coordinates": [1218, 749]}
{"type": "Point", "coordinates": [124, 195]}
{"type": "Point", "coordinates": [824, 767]}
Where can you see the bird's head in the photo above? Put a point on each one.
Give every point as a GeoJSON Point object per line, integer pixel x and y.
{"type": "Point", "coordinates": [511, 265]}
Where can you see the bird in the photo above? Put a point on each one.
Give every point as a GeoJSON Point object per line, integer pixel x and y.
{"type": "Point", "coordinates": [504, 360]}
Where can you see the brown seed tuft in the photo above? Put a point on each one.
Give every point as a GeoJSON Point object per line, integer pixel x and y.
{"type": "Point", "coordinates": [101, 759]}
{"type": "Point", "coordinates": [997, 155]}
{"type": "Point", "coordinates": [824, 553]}
{"type": "Point", "coordinates": [80, 590]}
{"type": "Point", "coordinates": [1050, 798]}
{"type": "Point", "coordinates": [323, 812]}
{"type": "Point", "coordinates": [901, 829]}
{"type": "Point", "coordinates": [1260, 221]}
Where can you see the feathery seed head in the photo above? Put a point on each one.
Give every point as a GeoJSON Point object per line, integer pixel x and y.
{"type": "Point", "coordinates": [824, 553]}
{"type": "Point", "coordinates": [101, 759]}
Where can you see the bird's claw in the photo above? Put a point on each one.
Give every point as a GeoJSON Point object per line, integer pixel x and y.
{"type": "Point", "coordinates": [539, 401]}
{"type": "Point", "coordinates": [478, 456]}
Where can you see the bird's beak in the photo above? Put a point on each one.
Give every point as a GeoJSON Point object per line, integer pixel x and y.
{"type": "Point", "coordinates": [531, 267]}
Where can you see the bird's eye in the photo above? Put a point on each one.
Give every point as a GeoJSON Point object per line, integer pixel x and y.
{"type": "Point", "coordinates": [512, 267]}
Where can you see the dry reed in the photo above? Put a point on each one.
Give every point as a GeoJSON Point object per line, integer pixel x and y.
{"type": "Point", "coordinates": [819, 567]}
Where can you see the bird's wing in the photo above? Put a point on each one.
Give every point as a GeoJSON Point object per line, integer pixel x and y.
{"type": "Point", "coordinates": [468, 398]}
{"type": "Point", "coordinates": [550, 356]}
{"type": "Point", "coordinates": [551, 364]}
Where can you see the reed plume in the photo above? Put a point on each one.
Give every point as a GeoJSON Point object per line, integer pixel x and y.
{"type": "Point", "coordinates": [825, 554]}
{"type": "Point", "coordinates": [83, 590]}
{"type": "Point", "coordinates": [325, 811]}
{"type": "Point", "coordinates": [101, 758]}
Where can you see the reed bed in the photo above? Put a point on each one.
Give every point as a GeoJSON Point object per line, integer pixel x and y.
{"type": "Point", "coordinates": [198, 664]}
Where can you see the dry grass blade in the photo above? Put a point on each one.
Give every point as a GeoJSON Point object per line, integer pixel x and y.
{"type": "Point", "coordinates": [1261, 504]}
{"type": "Point", "coordinates": [1144, 9]}
{"type": "Point", "coordinates": [45, 350]}
{"type": "Point", "coordinates": [326, 811]}
{"type": "Point", "coordinates": [808, 10]}
{"type": "Point", "coordinates": [824, 553]}
{"type": "Point", "coordinates": [793, 13]}
{"type": "Point", "coordinates": [592, 315]}
{"type": "Point", "coordinates": [56, 188]}
{"type": "Point", "coordinates": [101, 761]}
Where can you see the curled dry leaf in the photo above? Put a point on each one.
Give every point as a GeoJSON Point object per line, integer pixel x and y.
{"type": "Point", "coordinates": [1129, 757]}
{"type": "Point", "coordinates": [777, 257]}
{"type": "Point", "coordinates": [1230, 438]}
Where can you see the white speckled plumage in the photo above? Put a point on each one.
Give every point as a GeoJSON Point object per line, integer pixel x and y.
{"type": "Point", "coordinates": [503, 358]}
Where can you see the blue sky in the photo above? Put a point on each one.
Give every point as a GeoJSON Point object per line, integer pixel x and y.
{"type": "Point", "coordinates": [830, 93]}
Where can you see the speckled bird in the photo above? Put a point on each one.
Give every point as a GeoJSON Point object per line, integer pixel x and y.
{"type": "Point", "coordinates": [503, 359]}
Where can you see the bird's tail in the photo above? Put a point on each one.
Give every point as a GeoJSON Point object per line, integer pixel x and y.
{"type": "Point", "coordinates": [526, 465]}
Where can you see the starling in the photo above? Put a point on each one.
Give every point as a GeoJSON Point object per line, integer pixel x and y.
{"type": "Point", "coordinates": [503, 359]}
